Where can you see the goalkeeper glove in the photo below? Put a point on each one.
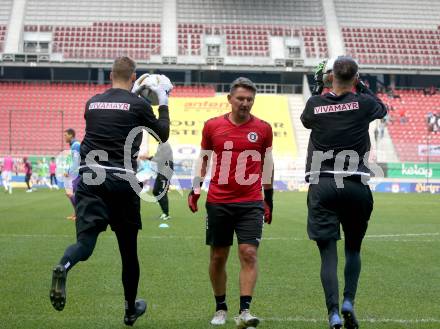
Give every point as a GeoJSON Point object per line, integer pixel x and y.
{"type": "Point", "coordinates": [319, 78]}
{"type": "Point", "coordinates": [268, 205]}
{"type": "Point", "coordinates": [319, 71]}
{"type": "Point", "coordinates": [162, 89]}
{"type": "Point", "coordinates": [138, 86]}
{"type": "Point", "coordinates": [361, 87]}
{"type": "Point", "coordinates": [193, 197]}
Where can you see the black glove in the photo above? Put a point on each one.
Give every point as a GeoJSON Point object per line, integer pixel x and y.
{"type": "Point", "coordinates": [317, 88]}
{"type": "Point", "coordinates": [268, 205]}
{"type": "Point", "coordinates": [361, 87]}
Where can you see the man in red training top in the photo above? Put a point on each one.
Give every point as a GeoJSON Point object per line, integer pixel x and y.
{"type": "Point", "coordinates": [240, 145]}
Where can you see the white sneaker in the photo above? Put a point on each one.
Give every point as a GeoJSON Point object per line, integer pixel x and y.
{"type": "Point", "coordinates": [246, 320]}
{"type": "Point", "coordinates": [28, 191]}
{"type": "Point", "coordinates": [219, 318]}
{"type": "Point", "coordinates": [164, 217]}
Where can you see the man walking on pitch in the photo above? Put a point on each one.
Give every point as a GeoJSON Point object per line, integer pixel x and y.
{"type": "Point", "coordinates": [104, 195]}
{"type": "Point", "coordinates": [7, 168]}
{"type": "Point", "coordinates": [337, 169]}
{"type": "Point", "coordinates": [241, 144]}
{"type": "Point", "coordinates": [71, 176]}
{"type": "Point", "coordinates": [27, 173]}
{"type": "Point", "coordinates": [164, 160]}
{"type": "Point", "coordinates": [43, 171]}
{"type": "Point", "coordinates": [52, 172]}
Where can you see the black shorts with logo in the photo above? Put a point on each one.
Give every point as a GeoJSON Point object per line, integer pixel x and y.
{"type": "Point", "coordinates": [329, 207]}
{"type": "Point", "coordinates": [114, 203]}
{"type": "Point", "coordinates": [243, 218]}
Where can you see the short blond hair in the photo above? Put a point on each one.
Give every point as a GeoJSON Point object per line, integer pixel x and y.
{"type": "Point", "coordinates": [123, 67]}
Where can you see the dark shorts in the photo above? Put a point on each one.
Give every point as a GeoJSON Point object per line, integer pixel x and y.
{"type": "Point", "coordinates": [113, 203]}
{"type": "Point", "coordinates": [329, 207]}
{"type": "Point", "coordinates": [243, 218]}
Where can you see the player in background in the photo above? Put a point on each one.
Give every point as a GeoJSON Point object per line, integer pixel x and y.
{"type": "Point", "coordinates": [27, 173]}
{"type": "Point", "coordinates": [240, 146]}
{"type": "Point", "coordinates": [43, 172]}
{"type": "Point", "coordinates": [337, 170]}
{"type": "Point", "coordinates": [164, 160]}
{"type": "Point", "coordinates": [144, 173]}
{"type": "Point", "coordinates": [7, 168]}
{"type": "Point", "coordinates": [105, 195]}
{"type": "Point", "coordinates": [71, 176]}
{"type": "Point", "coordinates": [52, 173]}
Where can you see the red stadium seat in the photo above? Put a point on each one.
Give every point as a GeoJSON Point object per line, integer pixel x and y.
{"type": "Point", "coordinates": [252, 40]}
{"type": "Point", "coordinates": [37, 126]}
{"type": "Point", "coordinates": [100, 40]}
{"type": "Point", "coordinates": [408, 136]}
{"type": "Point", "coordinates": [407, 46]}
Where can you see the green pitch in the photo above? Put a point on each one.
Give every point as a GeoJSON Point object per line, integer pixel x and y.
{"type": "Point", "coordinates": [399, 286]}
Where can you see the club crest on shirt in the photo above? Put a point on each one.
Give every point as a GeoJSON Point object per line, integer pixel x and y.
{"type": "Point", "coordinates": [252, 137]}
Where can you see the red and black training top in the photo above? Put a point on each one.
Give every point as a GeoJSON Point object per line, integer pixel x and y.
{"type": "Point", "coordinates": [238, 155]}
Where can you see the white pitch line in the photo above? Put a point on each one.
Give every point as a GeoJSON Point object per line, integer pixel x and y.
{"type": "Point", "coordinates": [12, 235]}
{"type": "Point", "coordinates": [400, 235]}
{"type": "Point", "coordinates": [368, 320]}
{"type": "Point", "coordinates": [381, 237]}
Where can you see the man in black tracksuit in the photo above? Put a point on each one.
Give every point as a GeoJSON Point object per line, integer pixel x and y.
{"type": "Point", "coordinates": [337, 170]}
{"type": "Point", "coordinates": [105, 194]}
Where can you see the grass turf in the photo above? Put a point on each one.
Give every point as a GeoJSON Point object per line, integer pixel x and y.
{"type": "Point", "coordinates": [399, 285]}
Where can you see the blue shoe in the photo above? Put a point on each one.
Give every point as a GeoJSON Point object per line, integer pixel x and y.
{"type": "Point", "coordinates": [334, 321]}
{"type": "Point", "coordinates": [347, 310]}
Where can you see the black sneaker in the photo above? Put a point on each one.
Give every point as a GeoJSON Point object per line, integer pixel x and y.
{"type": "Point", "coordinates": [347, 310]}
{"type": "Point", "coordinates": [58, 291]}
{"type": "Point", "coordinates": [140, 308]}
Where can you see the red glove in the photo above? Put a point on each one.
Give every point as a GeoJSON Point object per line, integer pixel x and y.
{"type": "Point", "coordinates": [193, 196]}
{"type": "Point", "coordinates": [267, 213]}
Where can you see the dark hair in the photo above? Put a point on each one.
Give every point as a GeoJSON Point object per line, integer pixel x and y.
{"type": "Point", "coordinates": [70, 131]}
{"type": "Point", "coordinates": [345, 68]}
{"type": "Point", "coordinates": [52, 158]}
{"type": "Point", "coordinates": [244, 83]}
{"type": "Point", "coordinates": [123, 67]}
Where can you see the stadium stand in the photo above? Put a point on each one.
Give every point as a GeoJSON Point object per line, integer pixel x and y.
{"type": "Point", "coordinates": [193, 91]}
{"type": "Point", "coordinates": [250, 40]}
{"type": "Point", "coordinates": [34, 124]}
{"type": "Point", "coordinates": [246, 26]}
{"type": "Point", "coordinates": [384, 33]}
{"type": "Point", "coordinates": [408, 123]}
{"type": "Point", "coordinates": [77, 32]}
{"type": "Point", "coordinates": [107, 40]}
{"type": "Point", "coordinates": [421, 14]}
{"type": "Point", "coordinates": [2, 36]}
{"type": "Point", "coordinates": [393, 46]}
{"type": "Point", "coordinates": [5, 11]}
{"type": "Point", "coordinates": [283, 12]}
{"type": "Point", "coordinates": [83, 12]}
